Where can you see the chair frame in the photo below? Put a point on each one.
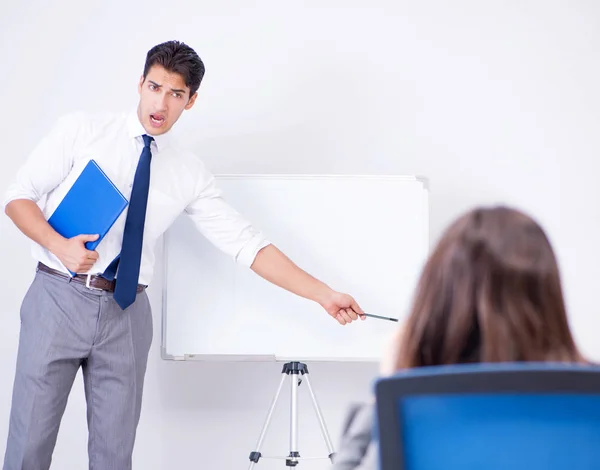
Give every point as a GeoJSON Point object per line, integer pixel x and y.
{"type": "Point", "coordinates": [544, 378]}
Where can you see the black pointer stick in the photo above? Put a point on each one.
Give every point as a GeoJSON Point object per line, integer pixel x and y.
{"type": "Point", "coordinates": [377, 316]}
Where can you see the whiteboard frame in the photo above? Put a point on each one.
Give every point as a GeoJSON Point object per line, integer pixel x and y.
{"type": "Point", "coordinates": [257, 358]}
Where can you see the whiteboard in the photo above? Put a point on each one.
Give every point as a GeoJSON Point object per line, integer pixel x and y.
{"type": "Point", "coordinates": [364, 235]}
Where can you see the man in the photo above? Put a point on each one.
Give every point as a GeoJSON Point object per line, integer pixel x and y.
{"type": "Point", "coordinates": [100, 320]}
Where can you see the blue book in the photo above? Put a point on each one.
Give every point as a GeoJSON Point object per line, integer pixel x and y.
{"type": "Point", "coordinates": [91, 206]}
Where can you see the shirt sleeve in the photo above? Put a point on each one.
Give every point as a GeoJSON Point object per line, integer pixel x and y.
{"type": "Point", "coordinates": [48, 164]}
{"type": "Point", "coordinates": [222, 225]}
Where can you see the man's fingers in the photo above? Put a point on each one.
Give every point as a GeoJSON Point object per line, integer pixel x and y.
{"type": "Point", "coordinates": [89, 260]}
{"type": "Point", "coordinates": [352, 314]}
{"type": "Point", "coordinates": [344, 314]}
{"type": "Point", "coordinates": [349, 314]}
{"type": "Point", "coordinates": [356, 307]}
{"type": "Point", "coordinates": [87, 238]}
{"type": "Point", "coordinates": [349, 310]}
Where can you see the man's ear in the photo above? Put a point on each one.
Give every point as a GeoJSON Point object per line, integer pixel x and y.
{"type": "Point", "coordinates": [140, 84]}
{"type": "Point", "coordinates": [191, 101]}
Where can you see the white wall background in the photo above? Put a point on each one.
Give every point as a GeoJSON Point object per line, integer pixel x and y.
{"type": "Point", "coordinates": [493, 101]}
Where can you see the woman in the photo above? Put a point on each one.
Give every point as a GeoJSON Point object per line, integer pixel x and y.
{"type": "Point", "coordinates": [489, 292]}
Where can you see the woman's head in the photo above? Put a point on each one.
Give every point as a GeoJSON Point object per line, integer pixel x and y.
{"type": "Point", "coordinates": [489, 292]}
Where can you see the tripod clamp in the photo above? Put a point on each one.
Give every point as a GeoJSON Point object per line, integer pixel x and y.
{"type": "Point", "coordinates": [297, 371]}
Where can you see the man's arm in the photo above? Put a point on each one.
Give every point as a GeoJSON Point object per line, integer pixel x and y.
{"type": "Point", "coordinates": [46, 167]}
{"type": "Point", "coordinates": [229, 231]}
{"type": "Point", "coordinates": [274, 266]}
{"type": "Point", "coordinates": [30, 220]}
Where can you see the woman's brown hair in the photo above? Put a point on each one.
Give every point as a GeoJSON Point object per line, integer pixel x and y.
{"type": "Point", "coordinates": [489, 292]}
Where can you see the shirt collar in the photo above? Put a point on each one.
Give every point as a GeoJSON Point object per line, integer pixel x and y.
{"type": "Point", "coordinates": [135, 130]}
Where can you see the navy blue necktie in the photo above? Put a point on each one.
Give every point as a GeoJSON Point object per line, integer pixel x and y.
{"type": "Point", "coordinates": [131, 250]}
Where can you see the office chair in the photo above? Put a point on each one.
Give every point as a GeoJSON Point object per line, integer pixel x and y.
{"type": "Point", "coordinates": [509, 416]}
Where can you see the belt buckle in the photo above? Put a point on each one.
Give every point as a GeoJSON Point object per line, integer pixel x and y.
{"type": "Point", "coordinates": [87, 283]}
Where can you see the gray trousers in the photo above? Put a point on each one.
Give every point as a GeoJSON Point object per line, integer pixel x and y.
{"type": "Point", "coordinates": [64, 326]}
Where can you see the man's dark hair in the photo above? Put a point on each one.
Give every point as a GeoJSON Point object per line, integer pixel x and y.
{"type": "Point", "coordinates": [177, 57]}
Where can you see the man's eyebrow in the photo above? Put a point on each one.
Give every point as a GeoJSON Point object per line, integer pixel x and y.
{"type": "Point", "coordinates": [175, 90]}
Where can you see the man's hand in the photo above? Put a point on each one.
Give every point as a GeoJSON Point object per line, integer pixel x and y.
{"type": "Point", "coordinates": [74, 255]}
{"type": "Point", "coordinates": [342, 307]}
{"type": "Point", "coordinates": [72, 252]}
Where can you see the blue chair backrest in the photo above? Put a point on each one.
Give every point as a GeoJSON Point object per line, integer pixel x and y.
{"type": "Point", "coordinates": [517, 416]}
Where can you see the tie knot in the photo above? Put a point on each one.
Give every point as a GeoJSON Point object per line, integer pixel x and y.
{"type": "Point", "coordinates": [147, 140]}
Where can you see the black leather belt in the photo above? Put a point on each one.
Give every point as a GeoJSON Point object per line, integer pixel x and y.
{"type": "Point", "coordinates": [91, 281]}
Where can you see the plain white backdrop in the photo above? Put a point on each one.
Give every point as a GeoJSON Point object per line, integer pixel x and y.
{"type": "Point", "coordinates": [492, 101]}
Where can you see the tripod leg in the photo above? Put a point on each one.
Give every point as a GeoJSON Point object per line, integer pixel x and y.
{"type": "Point", "coordinates": [320, 417]}
{"type": "Point", "coordinates": [292, 459]}
{"type": "Point", "coordinates": [255, 455]}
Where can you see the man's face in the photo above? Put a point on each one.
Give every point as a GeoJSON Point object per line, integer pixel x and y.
{"type": "Point", "coordinates": [163, 97]}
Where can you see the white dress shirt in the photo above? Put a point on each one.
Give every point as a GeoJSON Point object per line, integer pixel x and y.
{"type": "Point", "coordinates": [179, 183]}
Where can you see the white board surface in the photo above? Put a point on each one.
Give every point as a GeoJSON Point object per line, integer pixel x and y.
{"type": "Point", "coordinates": [364, 235]}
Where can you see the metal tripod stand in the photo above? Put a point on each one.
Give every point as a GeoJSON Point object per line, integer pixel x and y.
{"type": "Point", "coordinates": [294, 370]}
